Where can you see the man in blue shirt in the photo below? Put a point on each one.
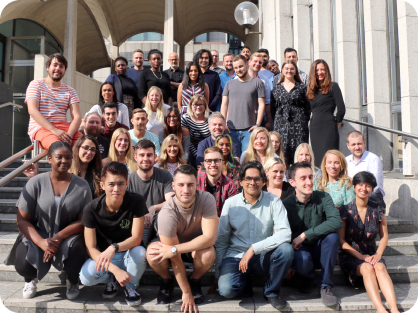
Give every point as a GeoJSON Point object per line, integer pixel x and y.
{"type": "Point", "coordinates": [229, 70]}
{"type": "Point", "coordinates": [134, 72]}
{"type": "Point", "coordinates": [253, 238]}
{"type": "Point", "coordinates": [264, 70]}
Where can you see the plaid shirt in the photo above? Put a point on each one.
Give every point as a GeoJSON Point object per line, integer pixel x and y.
{"type": "Point", "coordinates": [225, 188]}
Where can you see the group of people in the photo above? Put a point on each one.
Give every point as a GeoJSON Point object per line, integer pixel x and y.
{"type": "Point", "coordinates": [185, 184]}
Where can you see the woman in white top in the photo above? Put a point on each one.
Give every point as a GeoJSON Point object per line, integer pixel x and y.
{"type": "Point", "coordinates": [303, 153]}
{"type": "Point", "coordinates": [171, 155]}
{"type": "Point", "coordinates": [155, 107]}
{"type": "Point", "coordinates": [108, 94]}
{"type": "Point", "coordinates": [260, 147]}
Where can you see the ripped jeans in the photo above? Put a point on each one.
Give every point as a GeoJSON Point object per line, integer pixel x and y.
{"type": "Point", "coordinates": [132, 261]}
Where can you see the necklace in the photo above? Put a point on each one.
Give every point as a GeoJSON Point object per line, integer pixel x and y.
{"type": "Point", "coordinates": [156, 75]}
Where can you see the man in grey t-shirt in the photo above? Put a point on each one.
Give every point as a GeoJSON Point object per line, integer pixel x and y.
{"type": "Point", "coordinates": [242, 98]}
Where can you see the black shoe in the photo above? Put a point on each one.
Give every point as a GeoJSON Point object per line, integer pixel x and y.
{"type": "Point", "coordinates": [111, 290]}
{"type": "Point", "coordinates": [305, 287]}
{"type": "Point", "coordinates": [132, 297]}
{"type": "Point", "coordinates": [328, 299]}
{"type": "Point", "coordinates": [166, 291]}
{"type": "Point", "coordinates": [196, 291]}
{"type": "Point", "coordinates": [277, 302]}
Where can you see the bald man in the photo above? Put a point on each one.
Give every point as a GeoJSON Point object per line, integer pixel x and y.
{"type": "Point", "coordinates": [175, 73]}
{"type": "Point", "coordinates": [215, 59]}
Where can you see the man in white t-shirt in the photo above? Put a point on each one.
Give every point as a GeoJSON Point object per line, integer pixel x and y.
{"type": "Point", "coordinates": [139, 132]}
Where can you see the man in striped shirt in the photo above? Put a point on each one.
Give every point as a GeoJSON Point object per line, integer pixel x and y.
{"type": "Point", "coordinates": [48, 101]}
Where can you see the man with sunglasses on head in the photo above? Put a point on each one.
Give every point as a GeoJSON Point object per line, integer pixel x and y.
{"type": "Point", "coordinates": [253, 239]}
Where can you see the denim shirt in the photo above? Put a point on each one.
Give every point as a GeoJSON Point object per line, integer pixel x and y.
{"type": "Point", "coordinates": [263, 225]}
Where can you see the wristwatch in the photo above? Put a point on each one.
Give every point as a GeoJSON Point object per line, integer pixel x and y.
{"type": "Point", "coordinates": [258, 125]}
{"type": "Point", "coordinates": [174, 250]}
{"type": "Point", "coordinates": [116, 246]}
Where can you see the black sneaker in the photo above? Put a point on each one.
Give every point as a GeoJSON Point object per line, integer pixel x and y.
{"type": "Point", "coordinates": [277, 302]}
{"type": "Point", "coordinates": [132, 297]}
{"type": "Point", "coordinates": [328, 298]}
{"type": "Point", "coordinates": [111, 290]}
{"type": "Point", "coordinates": [196, 291]}
{"type": "Point", "coordinates": [166, 291]}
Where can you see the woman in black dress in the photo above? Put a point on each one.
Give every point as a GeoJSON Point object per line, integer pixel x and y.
{"type": "Point", "coordinates": [154, 77]}
{"type": "Point", "coordinates": [276, 172]}
{"type": "Point", "coordinates": [324, 96]}
{"type": "Point", "coordinates": [362, 221]}
{"type": "Point", "coordinates": [291, 109]}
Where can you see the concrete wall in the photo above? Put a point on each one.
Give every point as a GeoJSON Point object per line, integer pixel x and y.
{"type": "Point", "coordinates": [87, 90]}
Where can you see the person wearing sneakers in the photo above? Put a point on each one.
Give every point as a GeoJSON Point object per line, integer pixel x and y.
{"type": "Point", "coordinates": [49, 214]}
{"type": "Point", "coordinates": [187, 227]}
{"type": "Point", "coordinates": [113, 227]}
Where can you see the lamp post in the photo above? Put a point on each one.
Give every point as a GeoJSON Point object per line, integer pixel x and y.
{"type": "Point", "coordinates": [246, 15]}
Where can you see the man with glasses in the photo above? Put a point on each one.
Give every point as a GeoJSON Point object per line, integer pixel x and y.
{"type": "Point", "coordinates": [253, 239]}
{"type": "Point", "coordinates": [175, 73]}
{"type": "Point", "coordinates": [213, 181]}
{"type": "Point", "coordinates": [215, 59]}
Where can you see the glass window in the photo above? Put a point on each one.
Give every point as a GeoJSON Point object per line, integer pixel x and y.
{"type": "Point", "coordinates": [6, 28]}
{"type": "Point", "coordinates": [25, 49]}
{"type": "Point", "coordinates": [202, 38]}
{"type": "Point", "coordinates": [50, 49]}
{"type": "Point", "coordinates": [52, 39]}
{"type": "Point", "coordinates": [20, 77]}
{"type": "Point", "coordinates": [1, 55]}
{"type": "Point", "coordinates": [154, 36]}
{"type": "Point", "coordinates": [28, 28]}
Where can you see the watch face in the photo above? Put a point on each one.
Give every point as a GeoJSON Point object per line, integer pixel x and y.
{"type": "Point", "coordinates": [173, 250]}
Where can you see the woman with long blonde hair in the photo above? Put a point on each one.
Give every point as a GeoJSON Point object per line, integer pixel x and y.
{"type": "Point", "coordinates": [121, 150]}
{"type": "Point", "coordinates": [259, 148]}
{"type": "Point", "coordinates": [334, 178]}
{"type": "Point", "coordinates": [155, 108]}
{"type": "Point", "coordinates": [172, 154]}
{"type": "Point", "coordinates": [277, 142]}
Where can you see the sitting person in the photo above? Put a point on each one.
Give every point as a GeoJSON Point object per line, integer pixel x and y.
{"type": "Point", "coordinates": [121, 150]}
{"type": "Point", "coordinates": [139, 132]}
{"type": "Point", "coordinates": [314, 221]}
{"type": "Point", "coordinates": [362, 221]}
{"type": "Point", "coordinates": [277, 142]}
{"type": "Point", "coordinates": [253, 238]}
{"type": "Point", "coordinates": [49, 214]}
{"type": "Point", "coordinates": [92, 126]}
{"type": "Point", "coordinates": [109, 120]}
{"type": "Point", "coordinates": [113, 226]}
{"type": "Point", "coordinates": [232, 165]}
{"type": "Point", "coordinates": [187, 227]}
{"type": "Point", "coordinates": [171, 154]}
{"type": "Point", "coordinates": [155, 108]}
{"type": "Point", "coordinates": [334, 179]}
{"type": "Point", "coordinates": [213, 181]}
{"type": "Point", "coordinates": [259, 148]}
{"type": "Point", "coordinates": [275, 169]}
{"type": "Point", "coordinates": [304, 153]}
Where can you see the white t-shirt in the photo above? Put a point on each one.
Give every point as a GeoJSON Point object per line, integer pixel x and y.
{"type": "Point", "coordinates": [153, 125]}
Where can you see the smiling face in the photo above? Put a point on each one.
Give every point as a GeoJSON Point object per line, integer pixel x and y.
{"type": "Point", "coordinates": [333, 166]}
{"type": "Point", "coordinates": [204, 60]}
{"type": "Point", "coordinates": [93, 125]}
{"type": "Point", "coordinates": [363, 190]}
{"type": "Point", "coordinates": [215, 57]}
{"type": "Point", "coordinates": [155, 61]}
{"type": "Point", "coordinates": [172, 119]}
{"type": "Point", "coordinates": [252, 183]}
{"type": "Point", "coordinates": [107, 93]}
{"type": "Point", "coordinates": [145, 158]}
{"type": "Point", "coordinates": [304, 155]}
{"type": "Point", "coordinates": [291, 55]}
{"type": "Point", "coordinates": [256, 63]}
{"type": "Point", "coordinates": [246, 53]}
{"type": "Point", "coordinates": [289, 71]}
{"type": "Point", "coordinates": [154, 98]}
{"type": "Point", "coordinates": [240, 68]}
{"type": "Point", "coordinates": [275, 142]}
{"type": "Point", "coordinates": [216, 127]}
{"type": "Point", "coordinates": [198, 108]}
{"type": "Point", "coordinates": [114, 186]}
{"type": "Point", "coordinates": [122, 143]}
{"type": "Point", "coordinates": [356, 145]}
{"type": "Point", "coordinates": [87, 151]}
{"type": "Point", "coordinates": [138, 59]}
{"type": "Point", "coordinates": [320, 72]}
{"type": "Point", "coordinates": [185, 186]}
{"type": "Point", "coordinates": [173, 149]}
{"type": "Point", "coordinates": [272, 67]}
{"type": "Point", "coordinates": [121, 67]}
{"type": "Point", "coordinates": [303, 182]}
{"type": "Point", "coordinates": [56, 70]}
{"type": "Point", "coordinates": [213, 163]}
{"type": "Point", "coordinates": [193, 74]}
{"type": "Point", "coordinates": [61, 160]}
{"type": "Point", "coordinates": [225, 146]}
{"type": "Point", "coordinates": [228, 62]}
{"type": "Point", "coordinates": [111, 116]}
{"type": "Point", "coordinates": [139, 121]}
{"type": "Point", "coordinates": [261, 142]}
{"type": "Point", "coordinates": [276, 174]}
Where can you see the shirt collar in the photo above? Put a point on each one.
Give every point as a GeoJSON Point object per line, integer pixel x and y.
{"type": "Point", "coordinates": [362, 159]}
{"type": "Point", "coordinates": [260, 198]}
{"type": "Point", "coordinates": [299, 202]}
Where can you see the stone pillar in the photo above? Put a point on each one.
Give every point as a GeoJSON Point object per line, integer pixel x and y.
{"type": "Point", "coordinates": [348, 64]}
{"type": "Point", "coordinates": [168, 32]}
{"type": "Point", "coordinates": [114, 50]}
{"type": "Point", "coordinates": [70, 42]}
{"type": "Point", "coordinates": [322, 25]}
{"type": "Point", "coordinates": [182, 56]}
{"type": "Point", "coordinates": [302, 33]}
{"type": "Point", "coordinates": [283, 28]}
{"type": "Point", "coordinates": [408, 58]}
{"type": "Point", "coordinates": [378, 88]}
{"type": "Point", "coordinates": [39, 70]}
{"type": "Point", "coordinates": [268, 26]}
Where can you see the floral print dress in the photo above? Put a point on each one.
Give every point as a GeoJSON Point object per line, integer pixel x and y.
{"type": "Point", "coordinates": [340, 196]}
{"type": "Point", "coordinates": [361, 237]}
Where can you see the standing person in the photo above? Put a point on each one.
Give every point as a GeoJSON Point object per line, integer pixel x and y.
{"type": "Point", "coordinates": [49, 212]}
{"type": "Point", "coordinates": [213, 181]}
{"type": "Point", "coordinates": [314, 221]}
{"type": "Point", "coordinates": [362, 160]}
{"type": "Point", "coordinates": [154, 77]}
{"type": "Point", "coordinates": [229, 72]}
{"type": "Point", "coordinates": [107, 94]}
{"type": "Point", "coordinates": [193, 84]}
{"type": "Point", "coordinates": [277, 142]}
{"type": "Point", "coordinates": [292, 54]}
{"type": "Point", "coordinates": [253, 239]}
{"type": "Point", "coordinates": [291, 110]}
{"type": "Point", "coordinates": [246, 53]}
{"type": "Point", "coordinates": [140, 132]}
{"type": "Point", "coordinates": [264, 70]}
{"type": "Point", "coordinates": [275, 170]}
{"type": "Point", "coordinates": [196, 121]}
{"type": "Point", "coordinates": [232, 165]}
{"type": "Point", "coordinates": [176, 75]}
{"type": "Point", "coordinates": [172, 125]}
{"type": "Point", "coordinates": [187, 227]}
{"type": "Point", "coordinates": [362, 221]}
{"type": "Point", "coordinates": [92, 127]}
{"type": "Point", "coordinates": [242, 97]}
{"type": "Point", "coordinates": [260, 148]}
{"type": "Point", "coordinates": [324, 96]}
{"type": "Point", "coordinates": [125, 88]}
{"type": "Point", "coordinates": [121, 150]}
{"type": "Point", "coordinates": [113, 226]}
{"type": "Point", "coordinates": [48, 100]}
{"type": "Point", "coordinates": [171, 154]}
{"type": "Point", "coordinates": [273, 67]}
{"type": "Point", "coordinates": [110, 120]}
{"type": "Point", "coordinates": [155, 108]}
{"type": "Point", "coordinates": [215, 60]}
{"type": "Point", "coordinates": [135, 71]}
{"type": "Point", "coordinates": [204, 58]}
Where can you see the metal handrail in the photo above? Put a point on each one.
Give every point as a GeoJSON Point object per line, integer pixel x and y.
{"type": "Point", "coordinates": [16, 156]}
{"type": "Point", "coordinates": [386, 129]}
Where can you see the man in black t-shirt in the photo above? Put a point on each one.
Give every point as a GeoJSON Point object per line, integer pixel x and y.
{"type": "Point", "coordinates": [113, 227]}
{"type": "Point", "coordinates": [92, 127]}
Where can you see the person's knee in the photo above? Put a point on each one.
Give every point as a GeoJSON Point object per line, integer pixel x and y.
{"type": "Point", "coordinates": [367, 269]}
{"type": "Point", "coordinates": [332, 238]}
{"type": "Point", "coordinates": [226, 288]}
{"type": "Point", "coordinates": [89, 276]}
{"type": "Point", "coordinates": [302, 262]}
{"type": "Point", "coordinates": [149, 256]}
{"type": "Point", "coordinates": [138, 254]}
{"type": "Point", "coordinates": [285, 250]}
{"type": "Point", "coordinates": [206, 257]}
{"type": "Point", "coordinates": [379, 268]}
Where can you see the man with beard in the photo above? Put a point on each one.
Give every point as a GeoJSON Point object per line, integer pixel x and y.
{"type": "Point", "coordinates": [175, 73]}
{"type": "Point", "coordinates": [264, 70]}
{"type": "Point", "coordinates": [134, 72]}
{"type": "Point", "coordinates": [48, 101]}
{"type": "Point", "coordinates": [92, 127]}
{"type": "Point", "coordinates": [229, 70]}
{"type": "Point", "coordinates": [242, 97]}
{"type": "Point", "coordinates": [246, 52]}
{"type": "Point", "coordinates": [153, 183]}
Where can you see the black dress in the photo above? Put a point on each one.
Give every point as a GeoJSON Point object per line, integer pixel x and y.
{"type": "Point", "coordinates": [323, 127]}
{"type": "Point", "coordinates": [291, 112]}
{"type": "Point", "coordinates": [287, 190]}
{"type": "Point", "coordinates": [148, 78]}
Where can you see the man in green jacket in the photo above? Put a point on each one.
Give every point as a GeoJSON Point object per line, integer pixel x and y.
{"type": "Point", "coordinates": [314, 221]}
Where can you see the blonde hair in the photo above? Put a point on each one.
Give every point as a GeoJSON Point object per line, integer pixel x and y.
{"type": "Point", "coordinates": [281, 149]}
{"type": "Point", "coordinates": [129, 158]}
{"type": "Point", "coordinates": [160, 107]}
{"type": "Point", "coordinates": [193, 100]}
{"type": "Point", "coordinates": [304, 145]}
{"type": "Point", "coordinates": [162, 163]}
{"type": "Point", "coordinates": [272, 162]}
{"type": "Point", "coordinates": [342, 177]}
{"type": "Point", "coordinates": [250, 153]}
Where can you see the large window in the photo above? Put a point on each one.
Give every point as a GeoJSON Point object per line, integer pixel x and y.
{"type": "Point", "coordinates": [149, 36]}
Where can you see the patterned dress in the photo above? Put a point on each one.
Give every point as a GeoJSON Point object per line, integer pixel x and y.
{"type": "Point", "coordinates": [362, 237]}
{"type": "Point", "coordinates": [340, 196]}
{"type": "Point", "coordinates": [187, 94]}
{"type": "Point", "coordinates": [291, 116]}
{"type": "Point", "coordinates": [233, 173]}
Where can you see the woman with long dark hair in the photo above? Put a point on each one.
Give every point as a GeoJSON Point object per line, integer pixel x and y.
{"type": "Point", "coordinates": [232, 166]}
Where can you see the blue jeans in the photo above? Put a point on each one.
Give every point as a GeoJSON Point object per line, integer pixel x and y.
{"type": "Point", "coordinates": [323, 255]}
{"type": "Point", "coordinates": [132, 261]}
{"type": "Point", "coordinates": [274, 264]}
{"type": "Point", "coordinates": [242, 137]}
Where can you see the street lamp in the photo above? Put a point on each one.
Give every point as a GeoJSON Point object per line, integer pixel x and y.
{"type": "Point", "coordinates": [246, 14]}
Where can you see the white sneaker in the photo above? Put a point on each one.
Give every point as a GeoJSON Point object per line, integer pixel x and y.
{"type": "Point", "coordinates": [73, 291]}
{"type": "Point", "coordinates": [30, 289]}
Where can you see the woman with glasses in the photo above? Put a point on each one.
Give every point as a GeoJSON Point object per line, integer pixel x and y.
{"type": "Point", "coordinates": [155, 108]}
{"type": "Point", "coordinates": [259, 148]}
{"type": "Point", "coordinates": [275, 170]}
{"type": "Point", "coordinates": [121, 150]}
{"type": "Point", "coordinates": [196, 121]}
{"type": "Point", "coordinates": [171, 155]}
{"type": "Point", "coordinates": [232, 166]}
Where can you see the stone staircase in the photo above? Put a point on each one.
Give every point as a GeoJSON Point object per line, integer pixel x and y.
{"type": "Point", "coordinates": [400, 255]}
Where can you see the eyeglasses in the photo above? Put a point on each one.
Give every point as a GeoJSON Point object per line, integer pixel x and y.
{"type": "Point", "coordinates": [210, 161]}
{"type": "Point", "coordinates": [256, 179]}
{"type": "Point", "coordinates": [174, 117]}
{"type": "Point", "coordinates": [198, 104]}
{"type": "Point", "coordinates": [87, 148]}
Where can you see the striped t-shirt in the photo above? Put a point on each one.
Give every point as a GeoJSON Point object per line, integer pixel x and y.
{"type": "Point", "coordinates": [198, 132]}
{"type": "Point", "coordinates": [53, 102]}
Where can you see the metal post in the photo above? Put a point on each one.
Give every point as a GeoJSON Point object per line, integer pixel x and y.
{"type": "Point", "coordinates": [35, 152]}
